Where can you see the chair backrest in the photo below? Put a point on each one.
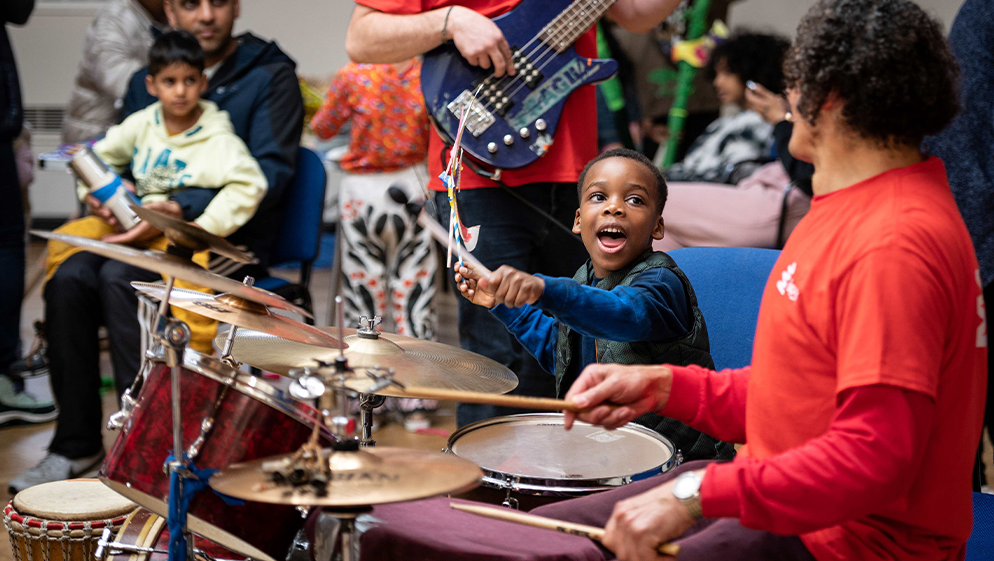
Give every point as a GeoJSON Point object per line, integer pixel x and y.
{"type": "Point", "coordinates": [981, 542]}
{"type": "Point", "coordinates": [729, 283]}
{"type": "Point", "coordinates": [300, 233]}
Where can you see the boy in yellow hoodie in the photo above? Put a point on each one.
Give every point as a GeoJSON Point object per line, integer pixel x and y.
{"type": "Point", "coordinates": [179, 142]}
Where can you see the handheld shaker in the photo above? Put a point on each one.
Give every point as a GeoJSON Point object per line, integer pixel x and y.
{"type": "Point", "coordinates": [105, 186]}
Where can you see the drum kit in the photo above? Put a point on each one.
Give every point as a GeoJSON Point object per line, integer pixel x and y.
{"type": "Point", "coordinates": [191, 419]}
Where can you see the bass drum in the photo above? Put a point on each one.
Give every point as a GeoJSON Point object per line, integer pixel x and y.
{"type": "Point", "coordinates": [144, 528]}
{"type": "Point", "coordinates": [530, 460]}
{"type": "Point", "coordinates": [228, 417]}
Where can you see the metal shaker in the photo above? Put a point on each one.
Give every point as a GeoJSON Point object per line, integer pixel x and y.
{"type": "Point", "coordinates": [105, 186]}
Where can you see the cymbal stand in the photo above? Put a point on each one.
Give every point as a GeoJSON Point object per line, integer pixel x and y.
{"type": "Point", "coordinates": [229, 341]}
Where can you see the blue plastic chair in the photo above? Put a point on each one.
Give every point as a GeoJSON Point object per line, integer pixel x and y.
{"type": "Point", "coordinates": [981, 542]}
{"type": "Point", "coordinates": [299, 236]}
{"type": "Point", "coordinates": [729, 283]}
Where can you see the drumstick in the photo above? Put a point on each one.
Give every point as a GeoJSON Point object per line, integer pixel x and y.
{"type": "Point", "coordinates": [540, 403]}
{"type": "Point", "coordinates": [441, 235]}
{"type": "Point", "coordinates": [581, 530]}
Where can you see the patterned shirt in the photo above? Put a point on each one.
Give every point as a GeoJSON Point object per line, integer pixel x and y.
{"type": "Point", "coordinates": [387, 110]}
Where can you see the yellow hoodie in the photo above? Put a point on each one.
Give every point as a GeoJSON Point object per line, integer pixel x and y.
{"type": "Point", "coordinates": [209, 154]}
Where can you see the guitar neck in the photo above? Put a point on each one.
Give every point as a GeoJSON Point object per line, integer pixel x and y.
{"type": "Point", "coordinates": [573, 22]}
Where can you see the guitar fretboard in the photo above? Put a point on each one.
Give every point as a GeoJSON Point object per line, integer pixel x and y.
{"type": "Point", "coordinates": [573, 22]}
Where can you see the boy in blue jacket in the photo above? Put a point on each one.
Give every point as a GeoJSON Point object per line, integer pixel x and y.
{"type": "Point", "coordinates": [628, 304]}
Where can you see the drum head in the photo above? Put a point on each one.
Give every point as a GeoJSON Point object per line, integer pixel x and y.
{"type": "Point", "coordinates": [537, 446]}
{"type": "Point", "coordinates": [76, 500]}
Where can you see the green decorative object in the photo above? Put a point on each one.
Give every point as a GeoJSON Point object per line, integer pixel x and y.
{"type": "Point", "coordinates": [685, 83]}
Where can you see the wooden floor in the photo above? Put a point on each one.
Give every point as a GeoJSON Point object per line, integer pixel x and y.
{"type": "Point", "coordinates": [22, 447]}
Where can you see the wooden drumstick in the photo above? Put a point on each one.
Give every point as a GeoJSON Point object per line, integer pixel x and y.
{"type": "Point", "coordinates": [581, 530]}
{"type": "Point", "coordinates": [540, 403]}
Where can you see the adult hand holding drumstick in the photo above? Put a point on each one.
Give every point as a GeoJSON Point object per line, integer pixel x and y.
{"type": "Point", "coordinates": [611, 395]}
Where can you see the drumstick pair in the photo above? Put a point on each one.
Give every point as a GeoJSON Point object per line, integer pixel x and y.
{"type": "Point", "coordinates": [581, 530]}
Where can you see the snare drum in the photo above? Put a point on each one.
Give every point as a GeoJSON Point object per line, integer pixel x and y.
{"type": "Point", "coordinates": [228, 417]}
{"type": "Point", "coordinates": [62, 521]}
{"type": "Point", "coordinates": [531, 458]}
{"type": "Point", "coordinates": [143, 528]}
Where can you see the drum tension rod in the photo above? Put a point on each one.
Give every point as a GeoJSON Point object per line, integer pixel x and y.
{"type": "Point", "coordinates": [116, 548]}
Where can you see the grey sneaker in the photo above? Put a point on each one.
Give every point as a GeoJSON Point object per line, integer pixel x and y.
{"type": "Point", "coordinates": [19, 407]}
{"type": "Point", "coordinates": [54, 467]}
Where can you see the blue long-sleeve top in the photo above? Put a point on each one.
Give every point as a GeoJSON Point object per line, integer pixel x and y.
{"type": "Point", "coordinates": [652, 308]}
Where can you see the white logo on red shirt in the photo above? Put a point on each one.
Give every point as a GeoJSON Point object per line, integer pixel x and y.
{"type": "Point", "coordinates": [786, 284]}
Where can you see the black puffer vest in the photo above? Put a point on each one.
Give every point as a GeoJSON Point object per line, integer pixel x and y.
{"type": "Point", "coordinates": [692, 348]}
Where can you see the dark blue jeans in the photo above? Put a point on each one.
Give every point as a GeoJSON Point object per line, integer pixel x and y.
{"type": "Point", "coordinates": [11, 258]}
{"type": "Point", "coordinates": [513, 234]}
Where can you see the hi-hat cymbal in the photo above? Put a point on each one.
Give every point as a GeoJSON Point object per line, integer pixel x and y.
{"type": "Point", "coordinates": [239, 313]}
{"type": "Point", "coordinates": [192, 237]}
{"type": "Point", "coordinates": [423, 364]}
{"type": "Point", "coordinates": [172, 265]}
{"type": "Point", "coordinates": [365, 477]}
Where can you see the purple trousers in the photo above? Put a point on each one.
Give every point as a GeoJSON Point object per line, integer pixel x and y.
{"type": "Point", "coordinates": [717, 539]}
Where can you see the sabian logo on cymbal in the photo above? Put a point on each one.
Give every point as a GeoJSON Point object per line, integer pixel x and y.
{"type": "Point", "coordinates": [213, 307]}
{"type": "Point", "coordinates": [364, 476]}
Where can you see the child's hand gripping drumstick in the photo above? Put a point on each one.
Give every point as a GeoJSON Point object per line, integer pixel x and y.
{"type": "Point", "coordinates": [506, 285]}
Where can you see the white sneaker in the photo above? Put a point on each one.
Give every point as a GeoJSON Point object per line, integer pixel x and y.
{"type": "Point", "coordinates": [20, 407]}
{"type": "Point", "coordinates": [54, 467]}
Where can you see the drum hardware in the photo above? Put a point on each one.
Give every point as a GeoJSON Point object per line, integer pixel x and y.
{"type": "Point", "coordinates": [509, 500]}
{"type": "Point", "coordinates": [106, 546]}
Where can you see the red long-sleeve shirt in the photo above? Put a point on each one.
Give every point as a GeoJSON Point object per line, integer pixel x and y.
{"type": "Point", "coordinates": [861, 412]}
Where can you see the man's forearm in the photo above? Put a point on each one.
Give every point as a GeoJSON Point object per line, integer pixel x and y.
{"type": "Point", "coordinates": [378, 38]}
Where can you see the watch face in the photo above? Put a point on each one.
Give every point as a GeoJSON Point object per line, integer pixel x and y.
{"type": "Point", "coordinates": [686, 486]}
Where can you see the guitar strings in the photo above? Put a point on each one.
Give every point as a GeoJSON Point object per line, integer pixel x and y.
{"type": "Point", "coordinates": [561, 31]}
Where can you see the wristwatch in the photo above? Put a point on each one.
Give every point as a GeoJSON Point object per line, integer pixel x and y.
{"type": "Point", "coordinates": [687, 490]}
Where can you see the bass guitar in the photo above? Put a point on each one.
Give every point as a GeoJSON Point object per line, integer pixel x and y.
{"type": "Point", "coordinates": [514, 118]}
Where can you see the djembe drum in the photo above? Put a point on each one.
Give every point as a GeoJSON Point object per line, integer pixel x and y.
{"type": "Point", "coordinates": [62, 521]}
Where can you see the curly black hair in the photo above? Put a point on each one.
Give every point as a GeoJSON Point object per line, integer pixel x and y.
{"type": "Point", "coordinates": [752, 56]}
{"type": "Point", "coordinates": [639, 157]}
{"type": "Point", "coordinates": [886, 60]}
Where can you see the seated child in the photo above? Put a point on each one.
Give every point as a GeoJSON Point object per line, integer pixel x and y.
{"type": "Point", "coordinates": [181, 141]}
{"type": "Point", "coordinates": [740, 141]}
{"type": "Point", "coordinates": [628, 304]}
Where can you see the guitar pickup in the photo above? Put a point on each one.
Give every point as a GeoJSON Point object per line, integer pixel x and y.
{"type": "Point", "coordinates": [527, 71]}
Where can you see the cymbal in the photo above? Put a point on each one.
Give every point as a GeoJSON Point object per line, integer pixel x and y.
{"type": "Point", "coordinates": [192, 237]}
{"type": "Point", "coordinates": [365, 477]}
{"type": "Point", "coordinates": [239, 313]}
{"type": "Point", "coordinates": [172, 265]}
{"type": "Point", "coordinates": [415, 362]}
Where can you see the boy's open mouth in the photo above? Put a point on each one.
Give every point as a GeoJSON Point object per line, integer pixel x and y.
{"type": "Point", "coordinates": [611, 238]}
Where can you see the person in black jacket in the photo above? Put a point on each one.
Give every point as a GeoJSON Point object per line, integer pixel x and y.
{"type": "Point", "coordinates": [256, 83]}
{"type": "Point", "coordinates": [16, 406]}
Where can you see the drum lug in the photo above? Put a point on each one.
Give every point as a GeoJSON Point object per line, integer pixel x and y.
{"type": "Point", "coordinates": [509, 501]}
{"type": "Point", "coordinates": [206, 425]}
{"type": "Point", "coordinates": [117, 420]}
{"type": "Point", "coordinates": [679, 457]}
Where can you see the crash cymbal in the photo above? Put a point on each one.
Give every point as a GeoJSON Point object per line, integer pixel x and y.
{"type": "Point", "coordinates": [192, 237]}
{"type": "Point", "coordinates": [424, 364]}
{"type": "Point", "coordinates": [365, 477]}
{"type": "Point", "coordinates": [238, 312]}
{"type": "Point", "coordinates": [175, 266]}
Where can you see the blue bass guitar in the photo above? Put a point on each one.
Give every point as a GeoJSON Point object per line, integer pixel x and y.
{"type": "Point", "coordinates": [514, 118]}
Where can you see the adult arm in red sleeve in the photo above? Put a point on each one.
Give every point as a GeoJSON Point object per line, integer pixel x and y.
{"type": "Point", "coordinates": [614, 394]}
{"type": "Point", "coordinates": [867, 458]}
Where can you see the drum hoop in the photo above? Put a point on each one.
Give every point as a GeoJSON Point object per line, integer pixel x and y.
{"type": "Point", "coordinates": [551, 486]}
{"type": "Point", "coordinates": [248, 385]}
{"type": "Point", "coordinates": [31, 522]}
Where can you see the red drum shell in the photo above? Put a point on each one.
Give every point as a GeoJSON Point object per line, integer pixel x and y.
{"type": "Point", "coordinates": [143, 528]}
{"type": "Point", "coordinates": [253, 420]}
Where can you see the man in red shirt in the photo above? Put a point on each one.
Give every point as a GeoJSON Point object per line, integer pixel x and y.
{"type": "Point", "coordinates": [862, 408]}
{"type": "Point", "coordinates": [388, 31]}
